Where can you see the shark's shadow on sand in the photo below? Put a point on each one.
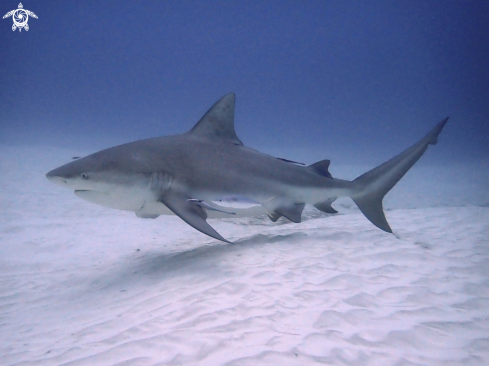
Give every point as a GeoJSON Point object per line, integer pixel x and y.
{"type": "Point", "coordinates": [154, 267]}
{"type": "Point", "coordinates": [217, 260]}
{"type": "Point", "coordinates": [204, 258]}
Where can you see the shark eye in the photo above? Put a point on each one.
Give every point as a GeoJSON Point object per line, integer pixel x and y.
{"type": "Point", "coordinates": [84, 175]}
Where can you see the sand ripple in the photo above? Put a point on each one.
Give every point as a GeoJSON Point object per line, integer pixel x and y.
{"type": "Point", "coordinates": [332, 290]}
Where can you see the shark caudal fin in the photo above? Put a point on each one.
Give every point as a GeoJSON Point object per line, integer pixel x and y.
{"type": "Point", "coordinates": [371, 187]}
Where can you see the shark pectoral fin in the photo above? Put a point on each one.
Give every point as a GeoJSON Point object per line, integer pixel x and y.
{"type": "Point", "coordinates": [279, 206]}
{"type": "Point", "coordinates": [192, 214]}
{"type": "Point", "coordinates": [326, 206]}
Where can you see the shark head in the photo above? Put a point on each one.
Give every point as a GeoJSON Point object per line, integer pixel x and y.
{"type": "Point", "coordinates": [105, 178]}
{"type": "Point", "coordinates": [87, 174]}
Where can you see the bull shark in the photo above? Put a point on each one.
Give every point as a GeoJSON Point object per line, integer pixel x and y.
{"type": "Point", "coordinates": [192, 174]}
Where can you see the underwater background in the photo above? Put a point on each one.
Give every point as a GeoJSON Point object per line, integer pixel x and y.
{"type": "Point", "coordinates": [356, 82]}
{"type": "Point", "coordinates": [351, 81]}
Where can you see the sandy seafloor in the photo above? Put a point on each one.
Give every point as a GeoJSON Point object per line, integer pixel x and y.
{"type": "Point", "coordinates": [85, 285]}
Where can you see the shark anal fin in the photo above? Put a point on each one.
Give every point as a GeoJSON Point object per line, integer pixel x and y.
{"type": "Point", "coordinates": [192, 214]}
{"type": "Point", "coordinates": [325, 206]}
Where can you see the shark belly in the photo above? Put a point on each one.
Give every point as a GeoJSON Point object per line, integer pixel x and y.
{"type": "Point", "coordinates": [118, 199]}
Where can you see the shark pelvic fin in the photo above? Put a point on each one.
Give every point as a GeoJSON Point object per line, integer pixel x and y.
{"type": "Point", "coordinates": [274, 216]}
{"type": "Point", "coordinates": [279, 206]}
{"type": "Point", "coordinates": [218, 122]}
{"type": "Point", "coordinates": [292, 212]}
{"type": "Point", "coordinates": [192, 214]}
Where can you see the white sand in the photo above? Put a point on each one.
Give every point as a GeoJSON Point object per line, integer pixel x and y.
{"type": "Point", "coordinates": [85, 285]}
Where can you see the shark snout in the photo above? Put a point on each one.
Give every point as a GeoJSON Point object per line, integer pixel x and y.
{"type": "Point", "coordinates": [54, 177]}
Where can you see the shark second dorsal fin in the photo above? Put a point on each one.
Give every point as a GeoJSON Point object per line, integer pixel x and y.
{"type": "Point", "coordinates": [218, 122]}
{"type": "Point", "coordinates": [321, 168]}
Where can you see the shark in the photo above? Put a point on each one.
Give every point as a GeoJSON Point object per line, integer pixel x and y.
{"type": "Point", "coordinates": [193, 175]}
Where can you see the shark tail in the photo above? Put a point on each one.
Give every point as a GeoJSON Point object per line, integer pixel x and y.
{"type": "Point", "coordinates": [370, 188]}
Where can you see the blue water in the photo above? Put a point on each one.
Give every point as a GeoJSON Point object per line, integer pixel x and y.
{"type": "Point", "coordinates": [352, 81]}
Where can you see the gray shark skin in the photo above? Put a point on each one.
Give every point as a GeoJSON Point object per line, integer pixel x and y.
{"type": "Point", "coordinates": [190, 174]}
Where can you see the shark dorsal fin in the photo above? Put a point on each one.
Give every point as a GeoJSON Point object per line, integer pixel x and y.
{"type": "Point", "coordinates": [218, 122]}
{"type": "Point", "coordinates": [321, 168]}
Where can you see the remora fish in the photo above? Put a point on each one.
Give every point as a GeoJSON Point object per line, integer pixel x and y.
{"type": "Point", "coordinates": [187, 174]}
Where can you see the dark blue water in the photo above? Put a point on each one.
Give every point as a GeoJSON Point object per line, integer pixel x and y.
{"type": "Point", "coordinates": [353, 81]}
